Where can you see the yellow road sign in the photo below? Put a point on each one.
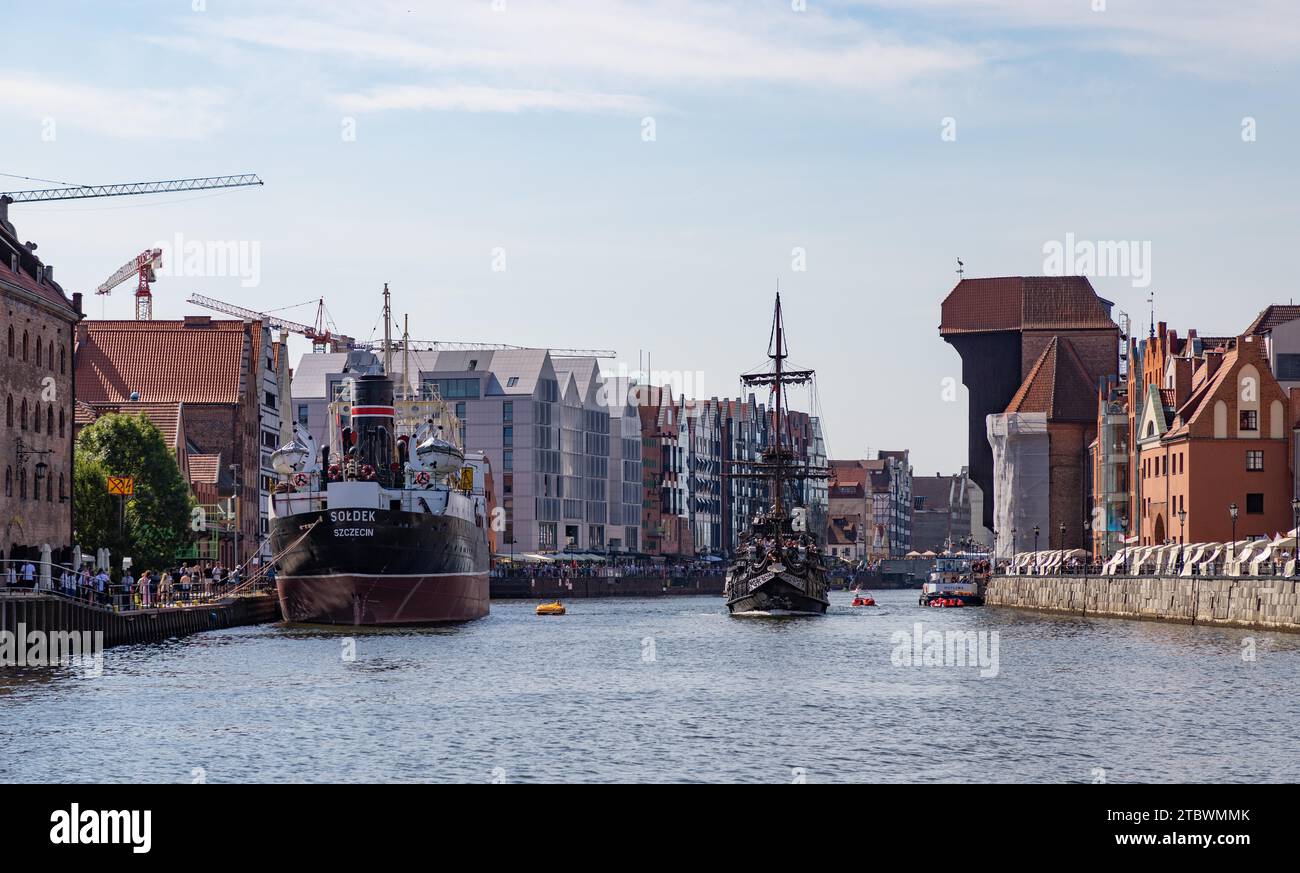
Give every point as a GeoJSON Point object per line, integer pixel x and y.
{"type": "Point", "coordinates": [121, 485]}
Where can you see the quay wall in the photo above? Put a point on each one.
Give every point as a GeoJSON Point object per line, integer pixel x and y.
{"type": "Point", "coordinates": [1257, 602]}
{"type": "Point", "coordinates": [53, 614]}
{"type": "Point", "coordinates": [599, 586]}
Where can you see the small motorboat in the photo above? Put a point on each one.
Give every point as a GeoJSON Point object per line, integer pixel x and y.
{"type": "Point", "coordinates": [556, 608]}
{"type": "Point", "coordinates": [863, 598]}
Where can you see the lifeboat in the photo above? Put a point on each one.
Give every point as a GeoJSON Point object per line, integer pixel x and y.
{"type": "Point", "coordinates": [860, 599]}
{"type": "Point", "coordinates": [556, 608]}
{"type": "Point", "coordinates": [438, 455]}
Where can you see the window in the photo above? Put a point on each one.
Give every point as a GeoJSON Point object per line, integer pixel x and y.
{"type": "Point", "coordinates": [508, 411]}
{"type": "Point", "coordinates": [9, 411]}
{"type": "Point", "coordinates": [49, 362]}
{"type": "Point", "coordinates": [508, 459]}
{"type": "Point", "coordinates": [49, 419]}
{"type": "Point", "coordinates": [473, 365]}
{"type": "Point", "coordinates": [1254, 504]}
{"type": "Point", "coordinates": [508, 435]}
{"type": "Point", "coordinates": [512, 381]}
{"type": "Point", "coordinates": [1250, 419]}
{"type": "Point", "coordinates": [36, 418]}
{"type": "Point", "coordinates": [63, 491]}
{"type": "Point", "coordinates": [38, 351]}
{"type": "Point", "coordinates": [61, 422]}
{"type": "Point", "coordinates": [24, 345]}
{"type": "Point", "coordinates": [1288, 367]}
{"type": "Point", "coordinates": [270, 400]}
{"type": "Point", "coordinates": [63, 361]}
{"type": "Point", "coordinates": [302, 414]}
{"type": "Point", "coordinates": [450, 389]}
{"type": "Point", "coordinates": [22, 422]}
{"type": "Point", "coordinates": [49, 489]}
{"type": "Point", "coordinates": [9, 481]}
{"type": "Point", "coordinates": [22, 483]}
{"type": "Point", "coordinates": [1254, 460]}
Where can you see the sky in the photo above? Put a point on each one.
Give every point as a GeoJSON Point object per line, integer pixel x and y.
{"type": "Point", "coordinates": [642, 175]}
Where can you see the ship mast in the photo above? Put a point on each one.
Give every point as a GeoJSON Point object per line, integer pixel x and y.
{"type": "Point", "coordinates": [388, 334]}
{"type": "Point", "coordinates": [772, 466]}
{"type": "Point", "coordinates": [777, 356]}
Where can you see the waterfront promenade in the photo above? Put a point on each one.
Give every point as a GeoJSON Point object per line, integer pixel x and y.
{"type": "Point", "coordinates": [1269, 602]}
{"type": "Point", "coordinates": [127, 621]}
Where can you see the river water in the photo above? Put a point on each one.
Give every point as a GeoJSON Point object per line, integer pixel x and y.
{"type": "Point", "coordinates": [672, 690]}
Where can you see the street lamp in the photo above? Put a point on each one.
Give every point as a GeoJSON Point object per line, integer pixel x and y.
{"type": "Point", "coordinates": [1182, 537]}
{"type": "Point", "coordinates": [1232, 546]}
{"type": "Point", "coordinates": [1295, 512]}
{"type": "Point", "coordinates": [1062, 526]}
{"type": "Point", "coordinates": [1035, 538]}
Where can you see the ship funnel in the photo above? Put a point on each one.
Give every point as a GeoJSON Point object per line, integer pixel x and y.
{"type": "Point", "coordinates": [372, 423]}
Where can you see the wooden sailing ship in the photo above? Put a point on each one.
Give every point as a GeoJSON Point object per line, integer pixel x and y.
{"type": "Point", "coordinates": [779, 567]}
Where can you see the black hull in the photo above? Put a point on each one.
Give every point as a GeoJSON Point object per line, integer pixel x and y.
{"type": "Point", "coordinates": [380, 567]}
{"type": "Point", "coordinates": [778, 597]}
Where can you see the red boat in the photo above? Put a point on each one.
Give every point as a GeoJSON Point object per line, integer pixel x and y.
{"type": "Point", "coordinates": [861, 598]}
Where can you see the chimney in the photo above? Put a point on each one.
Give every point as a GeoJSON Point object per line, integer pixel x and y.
{"type": "Point", "coordinates": [49, 273]}
{"type": "Point", "coordinates": [76, 302]}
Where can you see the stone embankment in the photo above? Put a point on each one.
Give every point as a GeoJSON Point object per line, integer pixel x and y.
{"type": "Point", "coordinates": [1271, 603]}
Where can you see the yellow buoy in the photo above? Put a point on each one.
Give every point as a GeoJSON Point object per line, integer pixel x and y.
{"type": "Point", "coordinates": [556, 608]}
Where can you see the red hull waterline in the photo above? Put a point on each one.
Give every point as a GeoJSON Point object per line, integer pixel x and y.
{"type": "Point", "coordinates": [359, 599]}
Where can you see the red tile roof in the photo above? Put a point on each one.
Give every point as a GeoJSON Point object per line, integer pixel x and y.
{"type": "Point", "coordinates": [205, 468]}
{"type": "Point", "coordinates": [167, 417]}
{"type": "Point", "coordinates": [1271, 317]}
{"type": "Point", "coordinates": [1024, 303]}
{"type": "Point", "coordinates": [164, 361]}
{"type": "Point", "coordinates": [1058, 384]}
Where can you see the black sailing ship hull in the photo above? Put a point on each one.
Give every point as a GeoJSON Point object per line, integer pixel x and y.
{"type": "Point", "coordinates": [379, 567]}
{"type": "Point", "coordinates": [776, 594]}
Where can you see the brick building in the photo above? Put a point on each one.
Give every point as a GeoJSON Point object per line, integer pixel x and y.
{"type": "Point", "coordinates": [1219, 437]}
{"type": "Point", "coordinates": [36, 374]}
{"type": "Point", "coordinates": [222, 373]}
{"type": "Point", "coordinates": [1058, 331]}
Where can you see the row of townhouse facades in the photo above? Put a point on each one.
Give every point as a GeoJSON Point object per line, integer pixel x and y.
{"type": "Point", "coordinates": [1197, 437]}
{"type": "Point", "coordinates": [587, 461]}
{"type": "Point", "coordinates": [873, 499]}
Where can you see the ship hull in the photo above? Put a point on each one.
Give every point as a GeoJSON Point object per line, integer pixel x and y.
{"type": "Point", "coordinates": [379, 567]}
{"type": "Point", "coordinates": [777, 597]}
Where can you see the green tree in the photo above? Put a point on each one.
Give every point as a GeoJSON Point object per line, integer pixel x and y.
{"type": "Point", "coordinates": [95, 512]}
{"type": "Point", "coordinates": [157, 516]}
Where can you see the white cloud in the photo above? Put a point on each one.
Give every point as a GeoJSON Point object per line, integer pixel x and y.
{"type": "Point", "coordinates": [127, 113]}
{"type": "Point", "coordinates": [1209, 37]}
{"type": "Point", "coordinates": [582, 56]}
{"type": "Point", "coordinates": [479, 98]}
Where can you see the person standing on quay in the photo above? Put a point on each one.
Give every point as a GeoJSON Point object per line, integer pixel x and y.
{"type": "Point", "coordinates": [29, 575]}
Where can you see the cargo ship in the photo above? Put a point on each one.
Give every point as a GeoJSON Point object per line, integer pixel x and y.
{"type": "Point", "coordinates": [779, 568]}
{"type": "Point", "coordinates": [388, 523]}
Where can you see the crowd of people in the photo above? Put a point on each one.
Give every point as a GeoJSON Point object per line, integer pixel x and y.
{"type": "Point", "coordinates": [184, 583]}
{"type": "Point", "coordinates": [630, 568]}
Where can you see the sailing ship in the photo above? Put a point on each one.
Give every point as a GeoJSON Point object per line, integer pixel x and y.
{"type": "Point", "coordinates": [779, 568]}
{"type": "Point", "coordinates": [388, 523]}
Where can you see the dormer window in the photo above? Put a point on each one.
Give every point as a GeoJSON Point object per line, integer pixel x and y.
{"type": "Point", "coordinates": [473, 364]}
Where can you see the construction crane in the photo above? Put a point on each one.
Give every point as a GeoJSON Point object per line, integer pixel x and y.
{"type": "Point", "coordinates": [322, 339]}
{"type": "Point", "coordinates": [123, 189]}
{"type": "Point", "coordinates": [142, 266]}
{"type": "Point", "coordinates": [146, 263]}
{"type": "Point", "coordinates": [449, 346]}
